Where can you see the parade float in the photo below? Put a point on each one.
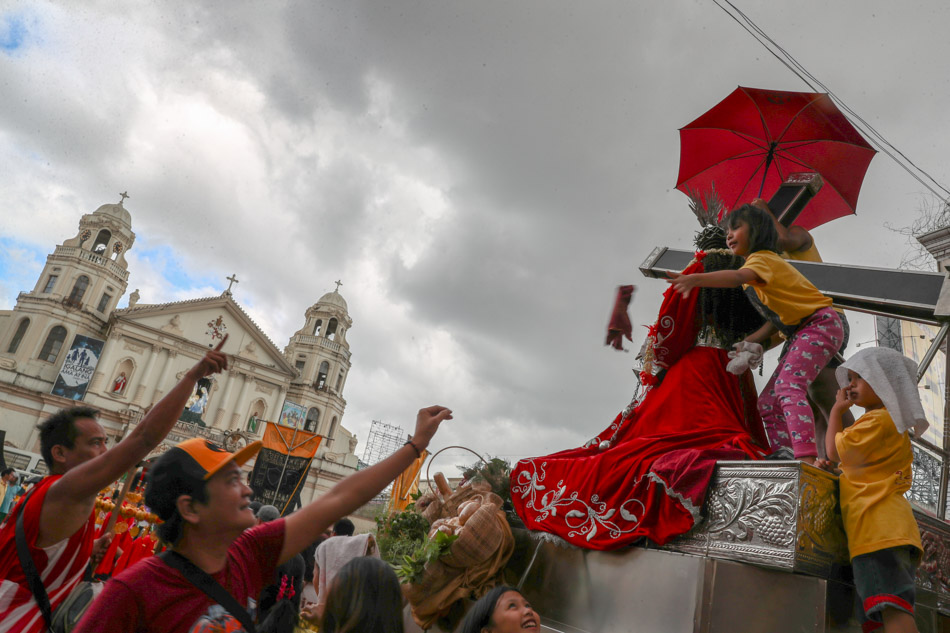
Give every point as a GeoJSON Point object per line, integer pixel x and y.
{"type": "Point", "coordinates": [648, 528]}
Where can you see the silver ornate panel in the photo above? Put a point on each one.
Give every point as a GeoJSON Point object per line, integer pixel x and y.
{"type": "Point", "coordinates": [779, 514]}
{"type": "Point", "coordinates": [785, 515]}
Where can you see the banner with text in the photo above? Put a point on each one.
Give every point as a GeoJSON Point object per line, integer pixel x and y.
{"type": "Point", "coordinates": [78, 368]}
{"type": "Point", "coordinates": [282, 465]}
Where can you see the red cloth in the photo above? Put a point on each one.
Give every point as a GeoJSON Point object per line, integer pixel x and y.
{"type": "Point", "coordinates": [107, 566]}
{"type": "Point", "coordinates": [651, 482]}
{"type": "Point", "coordinates": [60, 566]}
{"type": "Point", "coordinates": [619, 325]}
{"type": "Point", "coordinates": [151, 597]}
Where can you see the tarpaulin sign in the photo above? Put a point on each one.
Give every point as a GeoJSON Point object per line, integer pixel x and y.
{"type": "Point", "coordinates": [282, 465]}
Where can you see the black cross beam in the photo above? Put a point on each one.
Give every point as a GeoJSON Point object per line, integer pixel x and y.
{"type": "Point", "coordinates": [904, 294]}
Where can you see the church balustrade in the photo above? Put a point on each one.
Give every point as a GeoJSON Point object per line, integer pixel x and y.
{"type": "Point", "coordinates": [186, 430]}
{"type": "Point", "coordinates": [323, 342]}
{"type": "Point", "coordinates": [105, 262]}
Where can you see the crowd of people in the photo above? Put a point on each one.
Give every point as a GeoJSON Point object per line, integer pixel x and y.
{"type": "Point", "coordinates": [221, 556]}
{"type": "Point", "coordinates": [232, 565]}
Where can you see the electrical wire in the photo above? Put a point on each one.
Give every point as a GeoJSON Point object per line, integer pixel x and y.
{"type": "Point", "coordinates": [875, 137]}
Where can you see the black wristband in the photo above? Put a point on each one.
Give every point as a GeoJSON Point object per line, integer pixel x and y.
{"type": "Point", "coordinates": [414, 447]}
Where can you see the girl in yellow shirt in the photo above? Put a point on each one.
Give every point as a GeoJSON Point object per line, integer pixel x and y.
{"type": "Point", "coordinates": [876, 456]}
{"type": "Point", "coordinates": [791, 305]}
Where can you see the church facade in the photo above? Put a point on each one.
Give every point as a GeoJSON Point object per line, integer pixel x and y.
{"type": "Point", "coordinates": [66, 343]}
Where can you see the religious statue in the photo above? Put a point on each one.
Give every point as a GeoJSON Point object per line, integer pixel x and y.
{"type": "Point", "coordinates": [134, 298]}
{"type": "Point", "coordinates": [120, 382]}
{"type": "Point", "coordinates": [646, 474]}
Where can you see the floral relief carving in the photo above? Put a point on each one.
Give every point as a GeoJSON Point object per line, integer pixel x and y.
{"type": "Point", "coordinates": [741, 510]}
{"type": "Point", "coordinates": [821, 527]}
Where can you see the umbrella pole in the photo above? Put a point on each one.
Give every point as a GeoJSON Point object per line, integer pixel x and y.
{"type": "Point", "coordinates": [768, 163]}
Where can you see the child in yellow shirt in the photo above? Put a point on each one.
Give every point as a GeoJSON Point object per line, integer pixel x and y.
{"type": "Point", "coordinates": [876, 456]}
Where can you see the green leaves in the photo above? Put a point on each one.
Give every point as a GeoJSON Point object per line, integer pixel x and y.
{"type": "Point", "coordinates": [412, 566]}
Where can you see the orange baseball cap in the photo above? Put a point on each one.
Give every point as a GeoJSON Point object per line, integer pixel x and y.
{"type": "Point", "coordinates": [184, 468]}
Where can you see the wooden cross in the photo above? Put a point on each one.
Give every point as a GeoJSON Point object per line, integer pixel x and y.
{"type": "Point", "coordinates": [234, 280]}
{"type": "Point", "coordinates": [124, 195]}
{"type": "Point", "coordinates": [338, 284]}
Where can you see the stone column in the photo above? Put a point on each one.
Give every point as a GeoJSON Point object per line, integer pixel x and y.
{"type": "Point", "coordinates": [146, 379]}
{"type": "Point", "coordinates": [277, 404]}
{"type": "Point", "coordinates": [223, 400]}
{"type": "Point", "coordinates": [165, 375]}
{"type": "Point", "coordinates": [104, 366]}
{"type": "Point", "coordinates": [236, 421]}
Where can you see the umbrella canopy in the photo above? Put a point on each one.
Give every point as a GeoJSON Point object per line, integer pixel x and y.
{"type": "Point", "coordinates": [748, 144]}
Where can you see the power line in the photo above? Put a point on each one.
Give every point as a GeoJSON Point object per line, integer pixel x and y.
{"type": "Point", "coordinates": [875, 137]}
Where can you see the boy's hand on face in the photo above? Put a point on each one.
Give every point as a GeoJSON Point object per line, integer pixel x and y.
{"type": "Point", "coordinates": [843, 399]}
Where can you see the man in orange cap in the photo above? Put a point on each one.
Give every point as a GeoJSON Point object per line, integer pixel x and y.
{"type": "Point", "coordinates": [198, 490]}
{"type": "Point", "coordinates": [58, 518]}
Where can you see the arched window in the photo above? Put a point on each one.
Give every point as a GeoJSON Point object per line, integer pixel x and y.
{"type": "Point", "coordinates": [331, 329]}
{"type": "Point", "coordinates": [18, 336]}
{"type": "Point", "coordinates": [339, 380]}
{"type": "Point", "coordinates": [102, 242]}
{"type": "Point", "coordinates": [322, 375]}
{"type": "Point", "coordinates": [54, 343]}
{"type": "Point", "coordinates": [317, 327]}
{"type": "Point", "coordinates": [331, 431]}
{"type": "Point", "coordinates": [79, 289]}
{"type": "Point", "coordinates": [313, 418]}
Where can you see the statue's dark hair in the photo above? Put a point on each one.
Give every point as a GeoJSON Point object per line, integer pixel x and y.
{"type": "Point", "coordinates": [726, 310]}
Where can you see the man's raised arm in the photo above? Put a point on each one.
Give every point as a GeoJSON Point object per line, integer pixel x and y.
{"type": "Point", "coordinates": [66, 505]}
{"type": "Point", "coordinates": [303, 526]}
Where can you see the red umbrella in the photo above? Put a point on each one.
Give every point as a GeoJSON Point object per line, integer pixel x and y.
{"type": "Point", "coordinates": [749, 142]}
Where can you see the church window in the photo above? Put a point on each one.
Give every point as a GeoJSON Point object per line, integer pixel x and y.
{"type": "Point", "coordinates": [317, 327]}
{"type": "Point", "coordinates": [102, 241]}
{"type": "Point", "coordinates": [18, 336]}
{"type": "Point", "coordinates": [322, 375]}
{"type": "Point", "coordinates": [331, 329]}
{"type": "Point", "coordinates": [104, 302]}
{"type": "Point", "coordinates": [331, 432]}
{"type": "Point", "coordinates": [339, 380]}
{"type": "Point", "coordinates": [300, 364]}
{"type": "Point", "coordinates": [54, 343]}
{"type": "Point", "coordinates": [50, 283]}
{"type": "Point", "coordinates": [313, 418]}
{"type": "Point", "coordinates": [79, 289]}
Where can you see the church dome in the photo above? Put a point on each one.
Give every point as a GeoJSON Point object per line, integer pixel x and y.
{"type": "Point", "coordinates": [333, 298]}
{"type": "Point", "coordinates": [116, 211]}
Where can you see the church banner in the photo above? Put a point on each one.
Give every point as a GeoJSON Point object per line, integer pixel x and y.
{"type": "Point", "coordinates": [281, 467]}
{"type": "Point", "coordinates": [78, 368]}
{"type": "Point", "coordinates": [292, 414]}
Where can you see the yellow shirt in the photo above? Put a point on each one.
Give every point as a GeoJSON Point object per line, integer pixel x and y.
{"type": "Point", "coordinates": [810, 254]}
{"type": "Point", "coordinates": [783, 289]}
{"type": "Point", "coordinates": [876, 472]}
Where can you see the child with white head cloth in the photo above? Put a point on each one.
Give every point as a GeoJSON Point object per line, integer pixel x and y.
{"type": "Point", "coordinates": [876, 456]}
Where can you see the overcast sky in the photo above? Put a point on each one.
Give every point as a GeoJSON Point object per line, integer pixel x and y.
{"type": "Point", "coordinates": [480, 175]}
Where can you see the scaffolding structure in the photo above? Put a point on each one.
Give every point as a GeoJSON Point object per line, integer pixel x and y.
{"type": "Point", "coordinates": [384, 440]}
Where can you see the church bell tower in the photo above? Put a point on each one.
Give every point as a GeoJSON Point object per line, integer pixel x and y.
{"type": "Point", "coordinates": [80, 285]}
{"type": "Point", "coordinates": [321, 355]}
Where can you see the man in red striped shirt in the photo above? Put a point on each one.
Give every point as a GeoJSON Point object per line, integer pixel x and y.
{"type": "Point", "coordinates": [58, 519]}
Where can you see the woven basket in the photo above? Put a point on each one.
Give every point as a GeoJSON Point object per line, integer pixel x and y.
{"type": "Point", "coordinates": [479, 538]}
